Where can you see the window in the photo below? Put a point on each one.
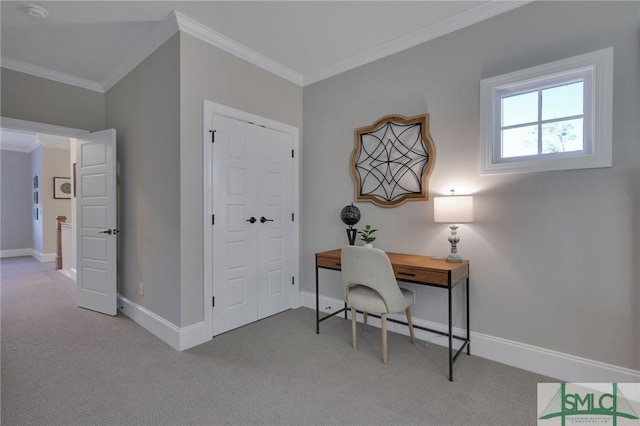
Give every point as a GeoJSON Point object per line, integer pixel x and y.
{"type": "Point", "coordinates": [551, 117]}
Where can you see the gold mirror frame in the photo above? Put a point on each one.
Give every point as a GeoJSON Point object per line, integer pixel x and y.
{"type": "Point", "coordinates": [392, 160]}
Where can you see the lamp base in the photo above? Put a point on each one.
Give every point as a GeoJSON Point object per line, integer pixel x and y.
{"type": "Point", "coordinates": [454, 257]}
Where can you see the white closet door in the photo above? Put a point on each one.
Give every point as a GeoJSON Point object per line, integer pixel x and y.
{"type": "Point", "coordinates": [235, 241]}
{"type": "Point", "coordinates": [275, 234]}
{"type": "Point", "coordinates": [252, 172]}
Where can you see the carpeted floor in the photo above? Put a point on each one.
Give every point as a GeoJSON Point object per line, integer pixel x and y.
{"type": "Point", "coordinates": [62, 365]}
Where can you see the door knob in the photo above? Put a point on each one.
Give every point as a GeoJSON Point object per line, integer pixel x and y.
{"type": "Point", "coordinates": [264, 219]}
{"type": "Point", "coordinates": [108, 231]}
{"type": "Point", "coordinates": [251, 219]}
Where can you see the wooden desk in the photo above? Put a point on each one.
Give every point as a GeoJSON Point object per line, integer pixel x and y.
{"type": "Point", "coordinates": [415, 269]}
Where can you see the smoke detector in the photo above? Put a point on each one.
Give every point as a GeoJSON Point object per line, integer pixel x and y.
{"type": "Point", "coordinates": [37, 11]}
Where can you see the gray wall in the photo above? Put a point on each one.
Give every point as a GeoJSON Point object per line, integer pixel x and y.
{"type": "Point", "coordinates": [55, 163]}
{"type": "Point", "coordinates": [207, 72]}
{"type": "Point", "coordinates": [554, 256]}
{"type": "Point", "coordinates": [36, 170]}
{"type": "Point", "coordinates": [157, 113]}
{"type": "Point", "coordinates": [16, 200]}
{"type": "Point", "coordinates": [144, 108]}
{"type": "Point", "coordinates": [45, 101]}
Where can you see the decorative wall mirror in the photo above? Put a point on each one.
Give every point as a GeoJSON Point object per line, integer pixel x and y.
{"type": "Point", "coordinates": [392, 160]}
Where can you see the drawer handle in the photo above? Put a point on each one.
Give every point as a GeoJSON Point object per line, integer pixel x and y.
{"type": "Point", "coordinates": [338, 264]}
{"type": "Point", "coordinates": [406, 274]}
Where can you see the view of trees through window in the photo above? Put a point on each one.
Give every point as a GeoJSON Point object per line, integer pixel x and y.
{"type": "Point", "coordinates": [544, 121]}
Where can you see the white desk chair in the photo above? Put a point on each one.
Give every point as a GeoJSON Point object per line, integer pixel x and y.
{"type": "Point", "coordinates": [371, 287]}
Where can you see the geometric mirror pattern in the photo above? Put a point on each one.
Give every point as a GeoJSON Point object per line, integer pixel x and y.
{"type": "Point", "coordinates": [392, 160]}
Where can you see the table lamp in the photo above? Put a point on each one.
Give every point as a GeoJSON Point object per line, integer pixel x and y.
{"type": "Point", "coordinates": [453, 209]}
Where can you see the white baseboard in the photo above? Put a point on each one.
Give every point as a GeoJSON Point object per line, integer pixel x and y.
{"type": "Point", "coordinates": [65, 272]}
{"type": "Point", "coordinates": [16, 253]}
{"type": "Point", "coordinates": [43, 257]}
{"type": "Point", "coordinates": [179, 338]}
{"type": "Point", "coordinates": [562, 366]}
{"type": "Point", "coordinates": [543, 361]}
{"type": "Point", "coordinates": [70, 273]}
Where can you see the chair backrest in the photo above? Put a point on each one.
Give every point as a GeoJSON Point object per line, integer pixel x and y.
{"type": "Point", "coordinates": [371, 268]}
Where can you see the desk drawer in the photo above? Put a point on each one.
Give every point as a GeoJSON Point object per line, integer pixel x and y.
{"type": "Point", "coordinates": [329, 262]}
{"type": "Point", "coordinates": [421, 276]}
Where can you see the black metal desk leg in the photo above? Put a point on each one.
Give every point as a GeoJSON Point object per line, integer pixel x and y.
{"type": "Point", "coordinates": [317, 301]}
{"type": "Point", "coordinates": [468, 330]}
{"type": "Point", "coordinates": [450, 338]}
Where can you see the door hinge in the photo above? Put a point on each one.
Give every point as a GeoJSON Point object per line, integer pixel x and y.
{"type": "Point", "coordinates": [213, 219]}
{"type": "Point", "coordinates": [293, 217]}
{"type": "Point", "coordinates": [213, 301]}
{"type": "Point", "coordinates": [292, 156]}
{"type": "Point", "coordinates": [213, 136]}
{"type": "Point", "coordinates": [293, 280]}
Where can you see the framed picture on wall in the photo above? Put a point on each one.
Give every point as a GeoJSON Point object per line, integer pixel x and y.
{"type": "Point", "coordinates": [35, 181]}
{"type": "Point", "coordinates": [62, 188]}
{"type": "Point", "coordinates": [35, 197]}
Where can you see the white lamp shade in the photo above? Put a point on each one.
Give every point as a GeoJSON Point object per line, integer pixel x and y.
{"type": "Point", "coordinates": [453, 209]}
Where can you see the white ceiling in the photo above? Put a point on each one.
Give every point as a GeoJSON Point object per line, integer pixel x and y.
{"type": "Point", "coordinates": [94, 43]}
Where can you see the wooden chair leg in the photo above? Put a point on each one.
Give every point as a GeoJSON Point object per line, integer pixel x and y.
{"type": "Point", "coordinates": [364, 322]}
{"type": "Point", "coordinates": [353, 328]}
{"type": "Point", "coordinates": [383, 322]}
{"type": "Point", "coordinates": [410, 323]}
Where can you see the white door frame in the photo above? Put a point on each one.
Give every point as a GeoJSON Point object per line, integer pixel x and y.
{"type": "Point", "coordinates": [215, 108]}
{"type": "Point", "coordinates": [49, 129]}
{"type": "Point", "coordinates": [33, 126]}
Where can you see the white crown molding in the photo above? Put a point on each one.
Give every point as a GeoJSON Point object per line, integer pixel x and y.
{"type": "Point", "coordinates": [206, 34]}
{"type": "Point", "coordinates": [158, 36]}
{"type": "Point", "coordinates": [454, 23]}
{"type": "Point", "coordinates": [176, 21]}
{"type": "Point", "coordinates": [49, 74]}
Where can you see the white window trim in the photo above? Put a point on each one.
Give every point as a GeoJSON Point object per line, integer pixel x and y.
{"type": "Point", "coordinates": [598, 154]}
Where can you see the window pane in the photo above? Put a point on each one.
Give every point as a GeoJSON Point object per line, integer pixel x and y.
{"type": "Point", "coordinates": [563, 101]}
{"type": "Point", "coordinates": [520, 109]}
{"type": "Point", "coordinates": [520, 141]}
{"type": "Point", "coordinates": [562, 136]}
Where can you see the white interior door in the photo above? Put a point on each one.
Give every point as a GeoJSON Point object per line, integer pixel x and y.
{"type": "Point", "coordinates": [96, 222]}
{"type": "Point", "coordinates": [252, 234]}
